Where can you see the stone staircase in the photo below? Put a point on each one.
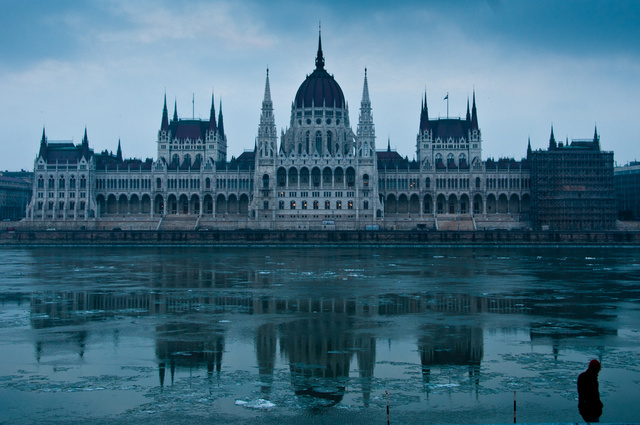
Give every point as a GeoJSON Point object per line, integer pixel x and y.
{"type": "Point", "coordinates": [178, 222]}
{"type": "Point", "coordinates": [456, 223]}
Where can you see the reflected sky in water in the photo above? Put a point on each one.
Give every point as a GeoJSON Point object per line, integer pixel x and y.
{"type": "Point", "coordinates": [283, 335]}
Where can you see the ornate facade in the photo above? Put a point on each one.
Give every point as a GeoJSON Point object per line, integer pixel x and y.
{"type": "Point", "coordinates": [321, 175]}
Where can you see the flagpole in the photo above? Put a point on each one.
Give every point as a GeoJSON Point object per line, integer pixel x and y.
{"type": "Point", "coordinates": [447, 99]}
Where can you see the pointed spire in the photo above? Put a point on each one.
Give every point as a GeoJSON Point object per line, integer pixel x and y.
{"type": "Point", "coordinates": [165, 116]}
{"type": "Point", "coordinates": [474, 113]}
{"type": "Point", "coordinates": [388, 144]}
{"type": "Point", "coordinates": [119, 152]}
{"type": "Point", "coordinates": [468, 111]}
{"type": "Point", "coordinates": [424, 114]}
{"type": "Point", "coordinates": [220, 124]}
{"type": "Point", "coordinates": [175, 110]}
{"type": "Point", "coordinates": [529, 148]}
{"type": "Point", "coordinates": [365, 90]}
{"type": "Point", "coordinates": [85, 139]}
{"type": "Point", "coordinates": [267, 89]}
{"type": "Point", "coordinates": [212, 115]}
{"type": "Point", "coordinates": [552, 140]}
{"type": "Point", "coordinates": [319, 56]}
{"type": "Point", "coordinates": [43, 145]}
{"type": "Point", "coordinates": [596, 138]}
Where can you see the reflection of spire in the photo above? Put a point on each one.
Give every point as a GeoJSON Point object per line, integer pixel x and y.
{"type": "Point", "coordinates": [366, 346]}
{"type": "Point", "coordinates": [265, 343]}
{"type": "Point", "coordinates": [161, 372]}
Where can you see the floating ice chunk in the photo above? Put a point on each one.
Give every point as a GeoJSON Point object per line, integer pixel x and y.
{"type": "Point", "coordinates": [256, 404]}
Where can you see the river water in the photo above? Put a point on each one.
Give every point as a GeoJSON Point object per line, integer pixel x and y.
{"type": "Point", "coordinates": [315, 334]}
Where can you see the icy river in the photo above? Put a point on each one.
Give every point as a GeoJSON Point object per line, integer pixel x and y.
{"type": "Point", "coordinates": [315, 335]}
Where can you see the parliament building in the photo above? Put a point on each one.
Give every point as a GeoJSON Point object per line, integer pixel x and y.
{"type": "Point", "coordinates": [320, 173]}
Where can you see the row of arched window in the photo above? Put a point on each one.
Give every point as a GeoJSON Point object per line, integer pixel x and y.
{"type": "Point", "coordinates": [322, 144]}
{"type": "Point", "coordinates": [451, 204]}
{"type": "Point", "coordinates": [62, 182]}
{"type": "Point", "coordinates": [399, 183]}
{"type": "Point", "coordinates": [316, 178]}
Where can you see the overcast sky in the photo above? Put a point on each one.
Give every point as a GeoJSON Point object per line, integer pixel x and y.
{"type": "Point", "coordinates": [106, 65]}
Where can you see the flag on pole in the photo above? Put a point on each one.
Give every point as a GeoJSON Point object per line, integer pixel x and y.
{"type": "Point", "coordinates": [446, 97]}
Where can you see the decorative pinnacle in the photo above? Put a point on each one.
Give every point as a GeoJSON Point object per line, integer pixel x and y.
{"type": "Point", "coordinates": [319, 56]}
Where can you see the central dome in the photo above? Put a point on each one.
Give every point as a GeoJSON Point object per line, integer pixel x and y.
{"type": "Point", "coordinates": [319, 89]}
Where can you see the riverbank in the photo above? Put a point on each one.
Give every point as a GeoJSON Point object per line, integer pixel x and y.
{"type": "Point", "coordinates": [303, 237]}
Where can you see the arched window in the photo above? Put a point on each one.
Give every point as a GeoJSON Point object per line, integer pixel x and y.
{"type": "Point", "coordinates": [265, 181]}
{"type": "Point", "coordinates": [477, 182]}
{"type": "Point", "coordinates": [427, 182]}
{"type": "Point", "coordinates": [351, 177]}
{"type": "Point", "coordinates": [207, 183]}
{"type": "Point", "coordinates": [282, 177]}
{"type": "Point", "coordinates": [158, 183]}
{"type": "Point", "coordinates": [72, 182]}
{"type": "Point", "coordinates": [365, 180]}
{"type": "Point", "coordinates": [52, 183]}
{"type": "Point", "coordinates": [319, 142]}
{"type": "Point", "coordinates": [306, 141]}
{"type": "Point", "coordinates": [329, 141]}
{"type": "Point", "coordinates": [40, 182]}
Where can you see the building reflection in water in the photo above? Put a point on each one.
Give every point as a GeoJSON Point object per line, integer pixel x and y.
{"type": "Point", "coordinates": [319, 352]}
{"type": "Point", "coordinates": [442, 345]}
{"type": "Point", "coordinates": [188, 345]}
{"type": "Point", "coordinates": [319, 338]}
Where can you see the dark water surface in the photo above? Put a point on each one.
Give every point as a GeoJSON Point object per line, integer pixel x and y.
{"type": "Point", "coordinates": [315, 335]}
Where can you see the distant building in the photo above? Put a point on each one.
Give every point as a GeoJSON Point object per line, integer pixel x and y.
{"type": "Point", "coordinates": [572, 186]}
{"type": "Point", "coordinates": [627, 182]}
{"type": "Point", "coordinates": [321, 173]}
{"type": "Point", "coordinates": [15, 194]}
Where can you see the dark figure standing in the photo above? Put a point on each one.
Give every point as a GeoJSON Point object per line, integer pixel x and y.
{"type": "Point", "coordinates": [589, 403]}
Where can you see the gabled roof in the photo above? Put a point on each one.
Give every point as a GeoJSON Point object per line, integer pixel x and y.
{"type": "Point", "coordinates": [445, 128]}
{"type": "Point", "coordinates": [189, 129]}
{"type": "Point", "coordinates": [65, 152]}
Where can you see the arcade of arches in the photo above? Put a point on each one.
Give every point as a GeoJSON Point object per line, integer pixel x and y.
{"type": "Point", "coordinates": [441, 204]}
{"type": "Point", "coordinates": [174, 204]}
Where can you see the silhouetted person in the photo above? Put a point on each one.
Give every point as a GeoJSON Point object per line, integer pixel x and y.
{"type": "Point", "coordinates": [589, 403]}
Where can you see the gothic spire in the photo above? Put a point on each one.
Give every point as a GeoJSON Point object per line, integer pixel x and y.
{"type": "Point", "coordinates": [529, 148]}
{"type": "Point", "coordinates": [319, 56]}
{"type": "Point", "coordinates": [212, 115]}
{"type": "Point", "coordinates": [43, 145]}
{"type": "Point", "coordinates": [365, 90]}
{"type": "Point", "coordinates": [267, 90]}
{"type": "Point", "coordinates": [552, 140]}
{"type": "Point", "coordinates": [366, 129]}
{"type": "Point", "coordinates": [165, 116]}
{"type": "Point", "coordinates": [474, 113]}
{"type": "Point", "coordinates": [596, 138]}
{"type": "Point", "coordinates": [119, 152]}
{"type": "Point", "coordinates": [424, 114]}
{"type": "Point", "coordinates": [220, 124]}
{"type": "Point", "coordinates": [468, 111]}
{"type": "Point", "coordinates": [175, 110]}
{"type": "Point", "coordinates": [85, 139]}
